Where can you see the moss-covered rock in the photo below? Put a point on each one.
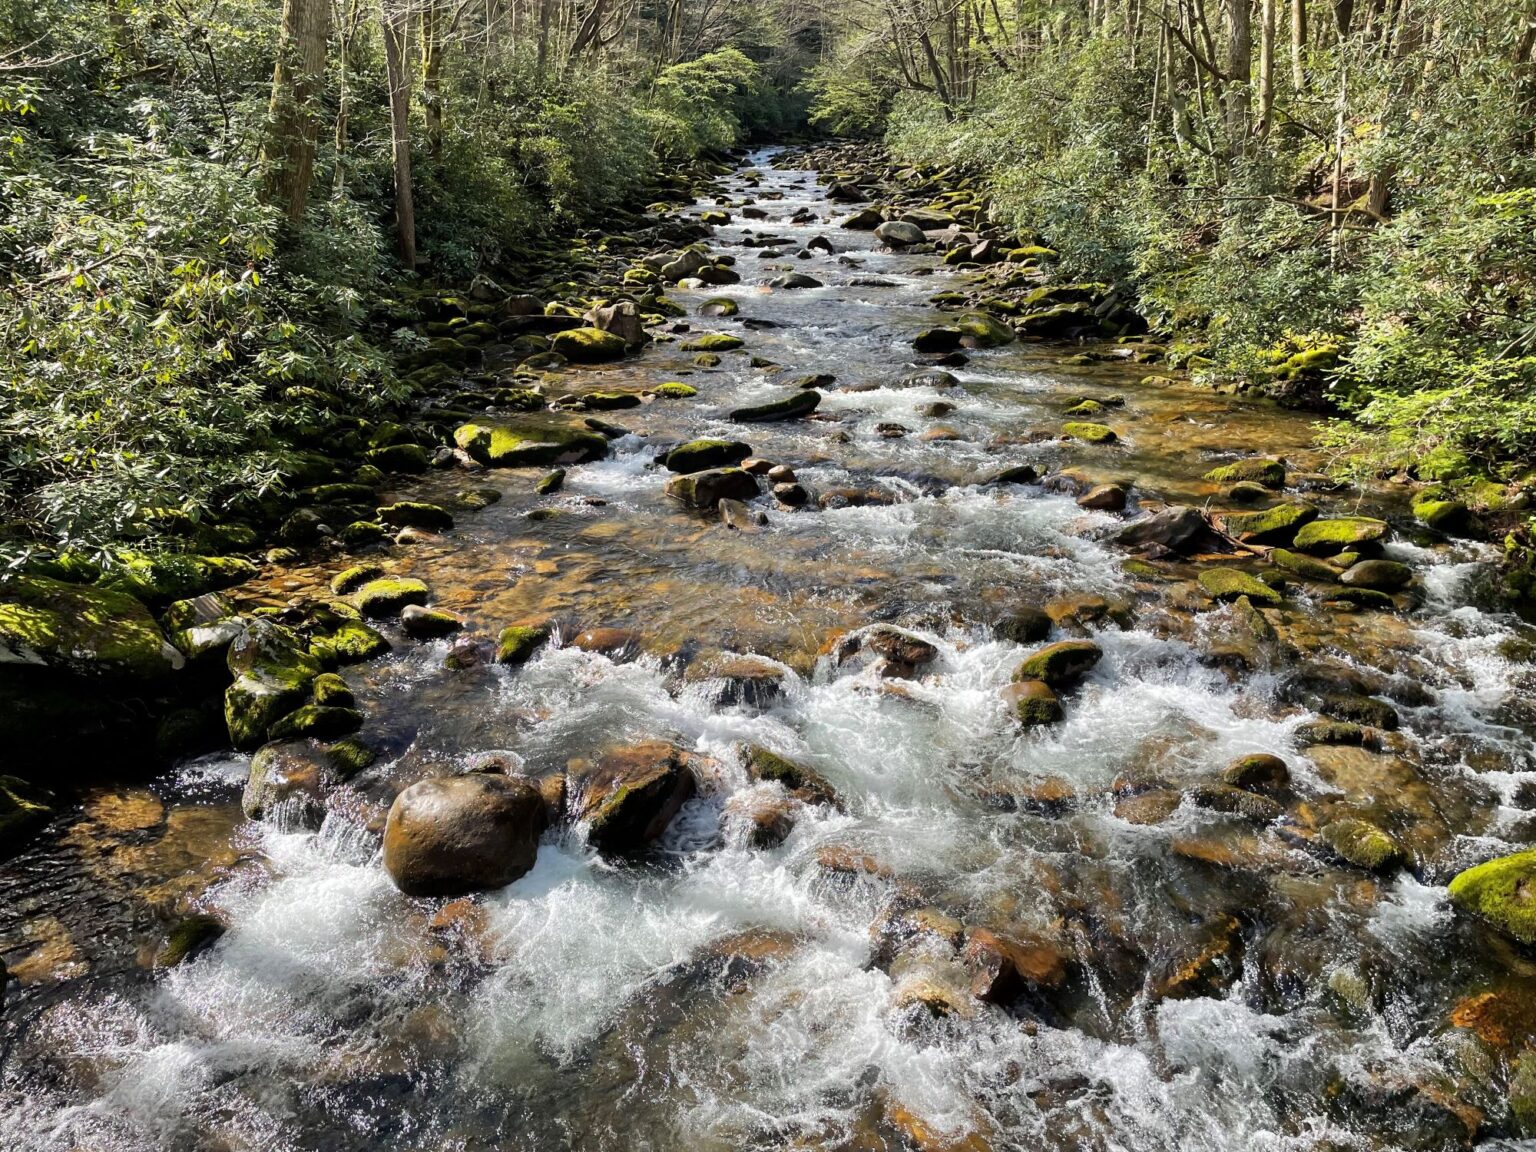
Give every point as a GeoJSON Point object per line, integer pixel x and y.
{"type": "Point", "coordinates": [550, 482]}
{"type": "Point", "coordinates": [361, 533]}
{"type": "Point", "coordinates": [1379, 575]}
{"type": "Point", "coordinates": [416, 514]}
{"type": "Point", "coordinates": [1305, 567]}
{"type": "Point", "coordinates": [348, 642]}
{"type": "Point", "coordinates": [1060, 665]}
{"type": "Point", "coordinates": [273, 671]}
{"type": "Point", "coordinates": [1501, 893]}
{"type": "Point", "coordinates": [157, 580]}
{"type": "Point", "coordinates": [676, 390]}
{"type": "Point", "coordinates": [1277, 525]}
{"type": "Point", "coordinates": [982, 331]}
{"type": "Point", "coordinates": [944, 339]}
{"type": "Point", "coordinates": [1362, 844]}
{"type": "Point", "coordinates": [588, 345]}
{"type": "Point", "coordinates": [518, 642]}
{"type": "Point", "coordinates": [530, 442]}
{"type": "Point", "coordinates": [1258, 470]}
{"type": "Point", "coordinates": [194, 934]}
{"type": "Point", "coordinates": [1226, 584]}
{"type": "Point", "coordinates": [429, 623]}
{"type": "Point", "coordinates": [1033, 703]}
{"type": "Point", "coordinates": [388, 596]}
{"type": "Point", "coordinates": [719, 306]}
{"type": "Point", "coordinates": [203, 627]}
{"type": "Point", "coordinates": [349, 580]}
{"type": "Point", "coordinates": [791, 407]}
{"type": "Point", "coordinates": [610, 401]}
{"type": "Point", "coordinates": [1443, 515]}
{"type": "Point", "coordinates": [1089, 433]}
{"type": "Point", "coordinates": [317, 721]}
{"type": "Point", "coordinates": [805, 783]}
{"type": "Point", "coordinates": [99, 632]}
{"type": "Point", "coordinates": [699, 455]}
{"type": "Point", "coordinates": [704, 490]}
{"type": "Point", "coordinates": [331, 691]}
{"type": "Point", "coordinates": [476, 499]}
{"type": "Point", "coordinates": [714, 342]}
{"type": "Point", "coordinates": [1329, 537]}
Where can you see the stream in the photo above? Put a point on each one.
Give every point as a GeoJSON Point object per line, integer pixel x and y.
{"type": "Point", "coordinates": [1216, 982]}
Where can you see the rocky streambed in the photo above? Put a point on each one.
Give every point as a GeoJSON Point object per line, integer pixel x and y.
{"type": "Point", "coordinates": [893, 711]}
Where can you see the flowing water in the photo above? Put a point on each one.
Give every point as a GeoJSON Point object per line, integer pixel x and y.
{"type": "Point", "coordinates": [1228, 986]}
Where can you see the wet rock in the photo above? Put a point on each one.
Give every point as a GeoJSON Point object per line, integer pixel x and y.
{"type": "Point", "coordinates": [1258, 470]}
{"type": "Point", "coordinates": [1357, 708]}
{"type": "Point", "coordinates": [982, 331]}
{"type": "Point", "coordinates": [85, 630]}
{"type": "Point", "coordinates": [611, 642]}
{"type": "Point", "coordinates": [1237, 802]}
{"type": "Point", "coordinates": [1148, 807]}
{"type": "Point", "coordinates": [1103, 498]}
{"type": "Point", "coordinates": [1450, 516]}
{"type": "Point", "coordinates": [449, 836]}
{"type": "Point", "coordinates": [317, 721]}
{"type": "Point", "coordinates": [795, 280]}
{"type": "Point", "coordinates": [906, 650]}
{"type": "Point", "coordinates": [1205, 963]}
{"type": "Point", "coordinates": [704, 490]}
{"type": "Point", "coordinates": [700, 455]}
{"type": "Point", "coordinates": [1378, 575]}
{"type": "Point", "coordinates": [1259, 772]}
{"type": "Point", "coordinates": [1331, 732]}
{"type": "Point", "coordinates": [1227, 584]}
{"type": "Point", "coordinates": [1032, 703]}
{"type": "Point", "coordinates": [942, 339]}
{"type": "Point", "coordinates": [292, 774]}
{"type": "Point", "coordinates": [192, 936]}
{"type": "Point", "coordinates": [791, 407]}
{"type": "Point", "coordinates": [410, 514]}
{"type": "Point", "coordinates": [842, 860]}
{"type": "Point", "coordinates": [1180, 529]}
{"type": "Point", "coordinates": [24, 810]}
{"type": "Point", "coordinates": [630, 796]}
{"type": "Point", "coordinates": [429, 623]}
{"type": "Point", "coordinates": [349, 580]}
{"type": "Point", "coordinates": [389, 596]}
{"type": "Point", "coordinates": [1277, 525]}
{"type": "Point", "coordinates": [929, 378]}
{"type": "Point", "coordinates": [272, 673]}
{"type": "Point", "coordinates": [1303, 566]}
{"type": "Point", "coordinates": [781, 474]}
{"type": "Point", "coordinates": [588, 345]}
{"type": "Point", "coordinates": [737, 516]}
{"type": "Point", "coordinates": [791, 495]}
{"type": "Point", "coordinates": [899, 234]}
{"type": "Point", "coordinates": [864, 220]}
{"type": "Point", "coordinates": [1330, 537]}
{"type": "Point", "coordinates": [1060, 665]}
{"type": "Point", "coordinates": [518, 642]}
{"type": "Point", "coordinates": [1006, 965]}
{"type": "Point", "coordinates": [530, 441]}
{"type": "Point", "coordinates": [1363, 844]}
{"type": "Point", "coordinates": [346, 641]}
{"type": "Point", "coordinates": [765, 817]}
{"type": "Point", "coordinates": [1089, 433]}
{"type": "Point", "coordinates": [1024, 625]}
{"type": "Point", "coordinates": [804, 783]}
{"type": "Point", "coordinates": [550, 483]}
{"type": "Point", "coordinates": [1017, 474]}
{"type": "Point", "coordinates": [1502, 894]}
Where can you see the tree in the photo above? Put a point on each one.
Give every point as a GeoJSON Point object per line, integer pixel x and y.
{"type": "Point", "coordinates": [293, 122]}
{"type": "Point", "coordinates": [394, 21]}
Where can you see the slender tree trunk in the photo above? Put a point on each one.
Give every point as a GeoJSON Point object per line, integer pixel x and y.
{"type": "Point", "coordinates": [395, 27]}
{"type": "Point", "coordinates": [1299, 45]}
{"type": "Point", "coordinates": [431, 75]}
{"type": "Point", "coordinates": [288, 153]}
{"type": "Point", "coordinates": [1267, 17]}
{"type": "Point", "coordinates": [1239, 71]}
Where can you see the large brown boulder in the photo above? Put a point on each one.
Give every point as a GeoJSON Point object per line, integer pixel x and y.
{"type": "Point", "coordinates": [451, 835]}
{"type": "Point", "coordinates": [627, 799]}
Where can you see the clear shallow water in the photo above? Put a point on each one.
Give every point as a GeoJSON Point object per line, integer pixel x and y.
{"type": "Point", "coordinates": [721, 996]}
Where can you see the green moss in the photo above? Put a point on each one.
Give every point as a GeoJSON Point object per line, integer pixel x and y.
{"type": "Point", "coordinates": [1089, 433]}
{"type": "Point", "coordinates": [1277, 525]}
{"type": "Point", "coordinates": [1442, 515]}
{"type": "Point", "coordinates": [764, 764]}
{"type": "Point", "coordinates": [1086, 407]}
{"type": "Point", "coordinates": [414, 514]}
{"type": "Point", "coordinates": [1141, 569]}
{"type": "Point", "coordinates": [70, 567]}
{"type": "Point", "coordinates": [550, 483]}
{"type": "Point", "coordinates": [1226, 584]}
{"type": "Point", "coordinates": [719, 306]}
{"type": "Point", "coordinates": [714, 342]}
{"type": "Point", "coordinates": [1034, 704]}
{"type": "Point", "coordinates": [476, 499]}
{"type": "Point", "coordinates": [24, 809]}
{"type": "Point", "coordinates": [350, 756]}
{"type": "Point", "coordinates": [319, 721]}
{"type": "Point", "coordinates": [161, 579]}
{"type": "Point", "coordinates": [983, 331]}
{"type": "Point", "coordinates": [350, 642]}
{"type": "Point", "coordinates": [388, 596]}
{"type": "Point", "coordinates": [588, 345]}
{"type": "Point", "coordinates": [1061, 664]}
{"type": "Point", "coordinates": [331, 691]}
{"type": "Point", "coordinates": [1362, 844]}
{"type": "Point", "coordinates": [700, 455]}
{"type": "Point", "coordinates": [1259, 470]}
{"type": "Point", "coordinates": [529, 443]}
{"type": "Point", "coordinates": [351, 579]}
{"type": "Point", "coordinates": [360, 533]}
{"type": "Point", "coordinates": [1304, 566]}
{"type": "Point", "coordinates": [1363, 598]}
{"type": "Point", "coordinates": [1327, 537]}
{"type": "Point", "coordinates": [1522, 1092]}
{"type": "Point", "coordinates": [1501, 893]}
{"type": "Point", "coordinates": [88, 630]}
{"type": "Point", "coordinates": [518, 642]}
{"type": "Point", "coordinates": [675, 390]}
{"type": "Point", "coordinates": [610, 401]}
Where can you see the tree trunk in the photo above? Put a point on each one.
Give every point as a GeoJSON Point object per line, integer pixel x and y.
{"type": "Point", "coordinates": [1267, 18]}
{"type": "Point", "coordinates": [431, 75]}
{"type": "Point", "coordinates": [288, 153]}
{"type": "Point", "coordinates": [1299, 45]}
{"type": "Point", "coordinates": [394, 23]}
{"type": "Point", "coordinates": [1239, 71]}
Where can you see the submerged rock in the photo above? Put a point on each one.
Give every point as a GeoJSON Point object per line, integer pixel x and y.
{"type": "Point", "coordinates": [449, 836]}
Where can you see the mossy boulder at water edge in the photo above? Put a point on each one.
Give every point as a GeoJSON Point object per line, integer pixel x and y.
{"type": "Point", "coordinates": [98, 632]}
{"type": "Point", "coordinates": [389, 596]}
{"type": "Point", "coordinates": [1502, 894]}
{"type": "Point", "coordinates": [791, 407]}
{"type": "Point", "coordinates": [347, 642]}
{"type": "Point", "coordinates": [1259, 470]}
{"type": "Point", "coordinates": [1306, 567]}
{"type": "Point", "coordinates": [1361, 843]}
{"type": "Point", "coordinates": [982, 331]}
{"type": "Point", "coordinates": [704, 490]}
{"type": "Point", "coordinates": [1032, 703]}
{"type": "Point", "coordinates": [416, 514]}
{"type": "Point", "coordinates": [1330, 537]}
{"type": "Point", "coordinates": [588, 345]}
{"type": "Point", "coordinates": [518, 642]}
{"type": "Point", "coordinates": [698, 455]}
{"type": "Point", "coordinates": [1277, 525]}
{"type": "Point", "coordinates": [1225, 584]}
{"type": "Point", "coordinates": [676, 390]}
{"type": "Point", "coordinates": [714, 342]}
{"type": "Point", "coordinates": [527, 442]}
{"type": "Point", "coordinates": [804, 783]}
{"type": "Point", "coordinates": [1089, 433]}
{"type": "Point", "coordinates": [157, 580]}
{"type": "Point", "coordinates": [627, 799]}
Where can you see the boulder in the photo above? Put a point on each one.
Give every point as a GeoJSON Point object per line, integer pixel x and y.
{"type": "Point", "coordinates": [448, 836]}
{"type": "Point", "coordinates": [412, 514]}
{"type": "Point", "coordinates": [1032, 703]}
{"type": "Point", "coordinates": [1089, 433]}
{"type": "Point", "coordinates": [292, 776]}
{"type": "Point", "coordinates": [1501, 893]}
{"type": "Point", "coordinates": [1259, 470]}
{"type": "Point", "coordinates": [803, 783]}
{"type": "Point", "coordinates": [899, 234]}
{"type": "Point", "coordinates": [88, 631]}
{"type": "Point", "coordinates": [1060, 665]}
{"type": "Point", "coordinates": [588, 345]}
{"type": "Point", "coordinates": [1259, 772]}
{"type": "Point", "coordinates": [1348, 533]}
{"type": "Point", "coordinates": [865, 220]}
{"type": "Point", "coordinates": [795, 280]}
{"type": "Point", "coordinates": [530, 442]}
{"type": "Point", "coordinates": [791, 407]}
{"type": "Point", "coordinates": [1277, 525]}
{"type": "Point", "coordinates": [1227, 584]}
{"type": "Point", "coordinates": [627, 799]}
{"type": "Point", "coordinates": [1176, 528]}
{"type": "Point", "coordinates": [389, 596]}
{"type": "Point", "coordinates": [1378, 575]}
{"type": "Point", "coordinates": [621, 319]}
{"type": "Point", "coordinates": [518, 642]}
{"type": "Point", "coordinates": [982, 331]}
{"type": "Point", "coordinates": [272, 671]}
{"type": "Point", "coordinates": [699, 455]}
{"type": "Point", "coordinates": [704, 490]}
{"type": "Point", "coordinates": [1004, 966]}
